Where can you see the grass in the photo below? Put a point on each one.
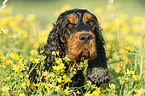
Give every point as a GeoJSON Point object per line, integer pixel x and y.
{"type": "Point", "coordinates": [21, 35]}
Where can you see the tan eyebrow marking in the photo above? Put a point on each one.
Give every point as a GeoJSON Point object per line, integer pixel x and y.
{"type": "Point", "coordinates": [72, 19]}
{"type": "Point", "coordinates": [86, 17]}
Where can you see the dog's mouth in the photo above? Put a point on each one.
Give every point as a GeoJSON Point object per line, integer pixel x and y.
{"type": "Point", "coordinates": [85, 54]}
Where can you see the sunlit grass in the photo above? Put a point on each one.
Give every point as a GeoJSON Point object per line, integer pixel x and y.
{"type": "Point", "coordinates": [20, 36]}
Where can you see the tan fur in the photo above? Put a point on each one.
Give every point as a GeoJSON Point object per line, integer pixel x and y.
{"type": "Point", "coordinates": [86, 17]}
{"type": "Point", "coordinates": [77, 48]}
{"type": "Point", "coordinates": [72, 19]}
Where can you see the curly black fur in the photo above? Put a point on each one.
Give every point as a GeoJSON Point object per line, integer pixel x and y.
{"type": "Point", "coordinates": [97, 70]}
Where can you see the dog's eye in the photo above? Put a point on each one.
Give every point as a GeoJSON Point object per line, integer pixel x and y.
{"type": "Point", "coordinates": [91, 23]}
{"type": "Point", "coordinates": [69, 25]}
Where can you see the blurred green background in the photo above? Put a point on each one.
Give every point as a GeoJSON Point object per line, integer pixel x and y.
{"type": "Point", "coordinates": [45, 9]}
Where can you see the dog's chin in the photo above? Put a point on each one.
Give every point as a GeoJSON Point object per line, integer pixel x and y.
{"type": "Point", "coordinates": [87, 54]}
{"type": "Point", "coordinates": [84, 54]}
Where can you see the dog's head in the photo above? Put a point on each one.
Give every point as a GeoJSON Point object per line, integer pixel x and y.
{"type": "Point", "coordinates": [80, 32]}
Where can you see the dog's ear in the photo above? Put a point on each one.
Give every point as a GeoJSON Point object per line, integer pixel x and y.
{"type": "Point", "coordinates": [97, 70]}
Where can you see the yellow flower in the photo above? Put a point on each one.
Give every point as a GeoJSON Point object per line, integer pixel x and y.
{"type": "Point", "coordinates": [2, 57]}
{"type": "Point", "coordinates": [109, 37]}
{"type": "Point", "coordinates": [66, 58]}
{"type": "Point", "coordinates": [16, 68]}
{"type": "Point", "coordinates": [124, 16]}
{"type": "Point", "coordinates": [56, 68]}
{"type": "Point", "coordinates": [62, 66]}
{"type": "Point", "coordinates": [24, 85]}
{"type": "Point", "coordinates": [31, 59]}
{"type": "Point", "coordinates": [28, 82]}
{"type": "Point", "coordinates": [95, 93]}
{"type": "Point", "coordinates": [8, 78]}
{"type": "Point", "coordinates": [47, 88]}
{"type": "Point", "coordinates": [36, 60]}
{"type": "Point", "coordinates": [14, 56]}
{"type": "Point", "coordinates": [22, 94]}
{"type": "Point", "coordinates": [60, 79]}
{"type": "Point", "coordinates": [58, 60]}
{"type": "Point", "coordinates": [130, 72]}
{"type": "Point", "coordinates": [19, 18]}
{"type": "Point", "coordinates": [23, 33]}
{"type": "Point", "coordinates": [135, 77]}
{"type": "Point", "coordinates": [30, 17]}
{"type": "Point", "coordinates": [41, 84]}
{"type": "Point", "coordinates": [45, 73]}
{"type": "Point", "coordinates": [66, 91]}
{"type": "Point", "coordinates": [33, 85]}
{"type": "Point", "coordinates": [126, 59]}
{"type": "Point", "coordinates": [136, 28]}
{"type": "Point", "coordinates": [121, 51]}
{"type": "Point", "coordinates": [5, 88]}
{"type": "Point", "coordinates": [33, 52]}
{"type": "Point", "coordinates": [55, 53]}
{"type": "Point", "coordinates": [137, 19]}
{"type": "Point", "coordinates": [131, 39]}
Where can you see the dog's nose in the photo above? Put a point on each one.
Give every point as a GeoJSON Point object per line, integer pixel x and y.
{"type": "Point", "coordinates": [85, 37]}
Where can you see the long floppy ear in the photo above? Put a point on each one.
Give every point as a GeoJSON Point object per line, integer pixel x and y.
{"type": "Point", "coordinates": [97, 70]}
{"type": "Point", "coordinates": [55, 44]}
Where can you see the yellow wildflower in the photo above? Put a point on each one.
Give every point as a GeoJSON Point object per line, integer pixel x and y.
{"type": "Point", "coordinates": [47, 88]}
{"type": "Point", "coordinates": [135, 77]}
{"type": "Point", "coordinates": [66, 91]}
{"type": "Point", "coordinates": [16, 68]}
{"type": "Point", "coordinates": [2, 57]}
{"type": "Point", "coordinates": [137, 19]}
{"type": "Point", "coordinates": [33, 86]}
{"type": "Point", "coordinates": [24, 85]}
{"type": "Point", "coordinates": [121, 51]}
{"type": "Point", "coordinates": [66, 58]}
{"type": "Point", "coordinates": [45, 73]}
{"type": "Point", "coordinates": [62, 66]}
{"type": "Point", "coordinates": [31, 59]}
{"type": "Point", "coordinates": [124, 16]}
{"type": "Point", "coordinates": [30, 17]}
{"type": "Point", "coordinates": [8, 78]}
{"type": "Point", "coordinates": [33, 52]}
{"type": "Point", "coordinates": [56, 68]}
{"type": "Point", "coordinates": [58, 60]}
{"type": "Point", "coordinates": [41, 84]}
{"type": "Point", "coordinates": [60, 79]}
{"type": "Point", "coordinates": [5, 88]}
{"type": "Point", "coordinates": [19, 18]}
{"type": "Point", "coordinates": [136, 28]}
{"type": "Point", "coordinates": [22, 94]}
{"type": "Point", "coordinates": [130, 72]}
{"type": "Point", "coordinates": [28, 82]}
{"type": "Point", "coordinates": [109, 37]}
{"type": "Point", "coordinates": [36, 60]}
{"type": "Point", "coordinates": [95, 93]}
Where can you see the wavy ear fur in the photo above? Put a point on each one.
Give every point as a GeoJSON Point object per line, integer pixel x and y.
{"type": "Point", "coordinates": [97, 70]}
{"type": "Point", "coordinates": [55, 44]}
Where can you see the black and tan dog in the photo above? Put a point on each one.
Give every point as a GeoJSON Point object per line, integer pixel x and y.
{"type": "Point", "coordinates": [77, 33]}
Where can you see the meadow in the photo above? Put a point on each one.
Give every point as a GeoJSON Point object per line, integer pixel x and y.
{"type": "Point", "coordinates": [22, 34]}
